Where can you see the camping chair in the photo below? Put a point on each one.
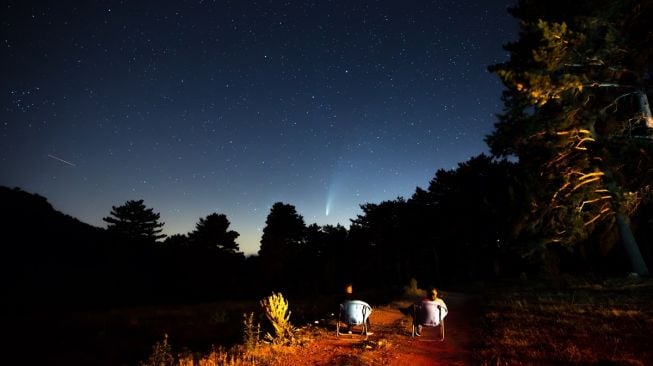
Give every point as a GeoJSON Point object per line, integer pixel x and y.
{"type": "Point", "coordinates": [352, 313]}
{"type": "Point", "coordinates": [429, 314]}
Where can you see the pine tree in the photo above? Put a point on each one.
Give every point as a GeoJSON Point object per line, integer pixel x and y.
{"type": "Point", "coordinates": [213, 233]}
{"type": "Point", "coordinates": [576, 92]}
{"type": "Point", "coordinates": [283, 235]}
{"type": "Point", "coordinates": [133, 221]}
{"type": "Point", "coordinates": [284, 229]}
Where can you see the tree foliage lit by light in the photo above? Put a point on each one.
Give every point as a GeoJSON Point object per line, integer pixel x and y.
{"type": "Point", "coordinates": [573, 114]}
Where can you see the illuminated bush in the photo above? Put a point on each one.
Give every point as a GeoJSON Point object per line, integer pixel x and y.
{"type": "Point", "coordinates": [276, 310]}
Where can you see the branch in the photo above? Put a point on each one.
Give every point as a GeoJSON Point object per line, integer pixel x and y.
{"type": "Point", "coordinates": [585, 182]}
{"type": "Point", "coordinates": [597, 216]}
{"type": "Point", "coordinates": [560, 190]}
{"type": "Point", "coordinates": [578, 147]}
{"type": "Point", "coordinates": [589, 175]}
{"type": "Point", "coordinates": [557, 159]}
{"type": "Point", "coordinates": [580, 209]}
{"type": "Point", "coordinates": [614, 102]}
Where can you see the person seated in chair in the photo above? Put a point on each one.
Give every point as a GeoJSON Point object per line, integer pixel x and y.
{"type": "Point", "coordinates": [432, 297]}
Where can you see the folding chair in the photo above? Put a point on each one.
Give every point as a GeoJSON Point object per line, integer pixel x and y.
{"type": "Point", "coordinates": [429, 314]}
{"type": "Point", "coordinates": [353, 313]}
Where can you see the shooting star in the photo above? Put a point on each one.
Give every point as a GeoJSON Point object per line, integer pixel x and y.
{"type": "Point", "coordinates": [61, 160]}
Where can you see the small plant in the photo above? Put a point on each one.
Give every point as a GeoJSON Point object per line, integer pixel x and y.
{"type": "Point", "coordinates": [276, 310]}
{"type": "Point", "coordinates": [161, 354]}
{"type": "Point", "coordinates": [250, 332]}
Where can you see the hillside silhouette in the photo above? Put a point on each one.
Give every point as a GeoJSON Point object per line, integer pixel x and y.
{"type": "Point", "coordinates": [54, 260]}
{"type": "Point", "coordinates": [48, 257]}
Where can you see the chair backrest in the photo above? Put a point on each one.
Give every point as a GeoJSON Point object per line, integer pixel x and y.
{"type": "Point", "coordinates": [354, 312]}
{"type": "Point", "coordinates": [430, 313]}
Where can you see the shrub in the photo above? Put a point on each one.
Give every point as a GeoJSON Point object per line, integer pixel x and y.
{"type": "Point", "coordinates": [276, 310]}
{"type": "Point", "coordinates": [250, 332]}
{"type": "Point", "coordinates": [412, 290]}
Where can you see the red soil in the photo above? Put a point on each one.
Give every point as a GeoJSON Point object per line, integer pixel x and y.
{"type": "Point", "coordinates": [391, 343]}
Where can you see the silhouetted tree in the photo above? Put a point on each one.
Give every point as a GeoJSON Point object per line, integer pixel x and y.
{"type": "Point", "coordinates": [135, 222]}
{"type": "Point", "coordinates": [283, 235]}
{"type": "Point", "coordinates": [381, 241]}
{"type": "Point", "coordinates": [460, 229]}
{"type": "Point", "coordinates": [137, 264]}
{"type": "Point", "coordinates": [473, 209]}
{"type": "Point", "coordinates": [210, 257]}
{"type": "Point", "coordinates": [321, 258]}
{"type": "Point", "coordinates": [176, 241]}
{"type": "Point", "coordinates": [213, 233]}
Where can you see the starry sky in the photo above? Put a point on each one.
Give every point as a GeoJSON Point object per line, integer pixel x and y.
{"type": "Point", "coordinates": [230, 106]}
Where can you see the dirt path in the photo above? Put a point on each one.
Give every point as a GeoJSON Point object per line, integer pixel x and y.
{"type": "Point", "coordinates": [391, 343]}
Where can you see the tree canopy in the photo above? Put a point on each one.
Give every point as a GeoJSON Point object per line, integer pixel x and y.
{"type": "Point", "coordinates": [134, 221]}
{"type": "Point", "coordinates": [283, 235]}
{"type": "Point", "coordinates": [213, 233]}
{"type": "Point", "coordinates": [284, 230]}
{"type": "Point", "coordinates": [577, 119]}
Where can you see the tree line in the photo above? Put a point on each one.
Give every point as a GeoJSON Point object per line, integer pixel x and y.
{"type": "Point", "coordinates": [425, 237]}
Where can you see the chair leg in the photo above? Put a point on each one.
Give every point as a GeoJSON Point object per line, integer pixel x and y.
{"type": "Point", "coordinates": [338, 328]}
{"type": "Point", "coordinates": [413, 316]}
{"type": "Point", "coordinates": [442, 330]}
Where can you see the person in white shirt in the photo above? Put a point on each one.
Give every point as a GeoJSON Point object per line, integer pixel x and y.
{"type": "Point", "coordinates": [432, 297]}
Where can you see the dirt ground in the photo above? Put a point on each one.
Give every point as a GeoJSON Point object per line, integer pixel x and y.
{"type": "Point", "coordinates": [391, 342]}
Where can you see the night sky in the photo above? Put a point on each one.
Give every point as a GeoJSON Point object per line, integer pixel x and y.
{"type": "Point", "coordinates": [230, 106]}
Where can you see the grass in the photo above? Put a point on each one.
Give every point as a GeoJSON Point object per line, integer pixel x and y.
{"type": "Point", "coordinates": [261, 354]}
{"type": "Point", "coordinates": [123, 336]}
{"type": "Point", "coordinates": [313, 342]}
{"type": "Point", "coordinates": [282, 340]}
{"type": "Point", "coordinates": [555, 321]}
{"type": "Point", "coordinates": [569, 321]}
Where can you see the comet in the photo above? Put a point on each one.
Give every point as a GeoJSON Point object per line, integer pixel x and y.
{"type": "Point", "coordinates": [329, 201]}
{"type": "Point", "coordinates": [61, 160]}
{"type": "Point", "coordinates": [328, 207]}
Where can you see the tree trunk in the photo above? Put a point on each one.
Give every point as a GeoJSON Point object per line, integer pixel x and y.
{"type": "Point", "coordinates": [645, 109]}
{"type": "Point", "coordinates": [626, 236]}
{"type": "Point", "coordinates": [628, 241]}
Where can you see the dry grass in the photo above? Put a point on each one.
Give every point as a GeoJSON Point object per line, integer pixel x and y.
{"type": "Point", "coordinates": [259, 356]}
{"type": "Point", "coordinates": [570, 322]}
{"type": "Point", "coordinates": [255, 353]}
